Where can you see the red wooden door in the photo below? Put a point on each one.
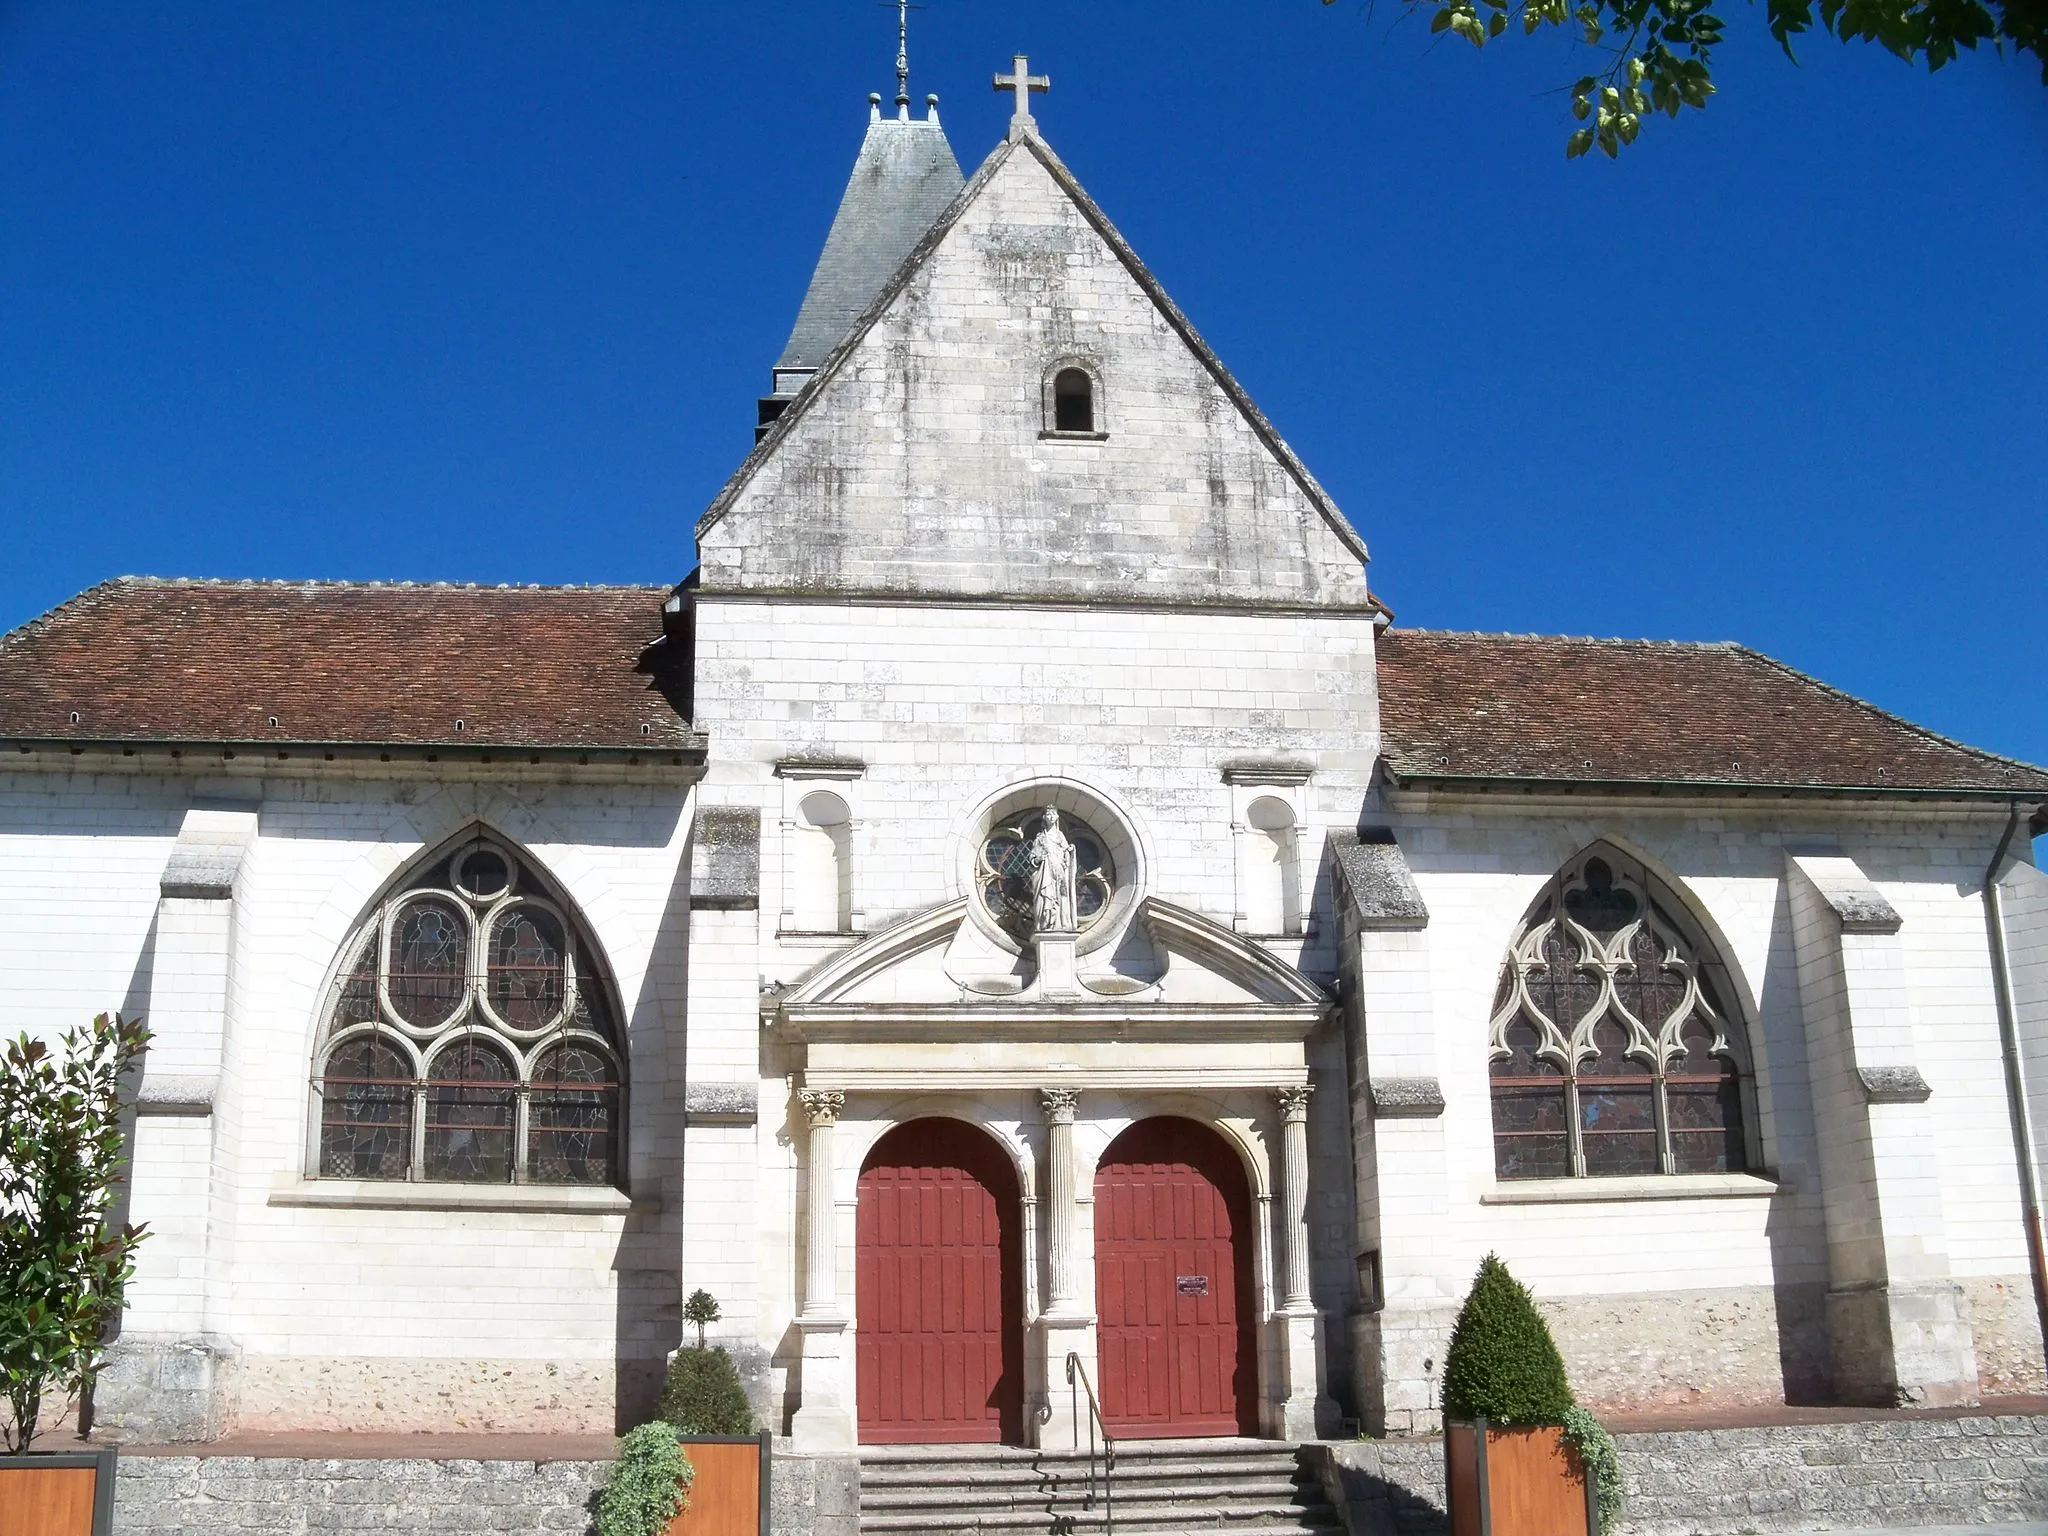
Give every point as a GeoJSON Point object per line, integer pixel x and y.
{"type": "Point", "coordinates": [939, 1298]}
{"type": "Point", "coordinates": [1173, 1283]}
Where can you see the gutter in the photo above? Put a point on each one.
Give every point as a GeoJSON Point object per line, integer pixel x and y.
{"type": "Point", "coordinates": [1528, 784]}
{"type": "Point", "coordinates": [688, 753]}
{"type": "Point", "coordinates": [2015, 1070]}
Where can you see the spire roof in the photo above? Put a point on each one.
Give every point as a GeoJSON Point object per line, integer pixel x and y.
{"type": "Point", "coordinates": [903, 180]}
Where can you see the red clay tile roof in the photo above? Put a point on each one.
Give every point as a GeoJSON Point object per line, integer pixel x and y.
{"type": "Point", "coordinates": [1542, 707]}
{"type": "Point", "coordinates": [138, 659]}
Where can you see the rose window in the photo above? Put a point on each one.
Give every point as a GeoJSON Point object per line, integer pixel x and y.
{"type": "Point", "coordinates": [471, 1038]}
{"type": "Point", "coordinates": [1003, 870]}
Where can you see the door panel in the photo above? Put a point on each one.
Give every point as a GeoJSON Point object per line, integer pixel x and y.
{"type": "Point", "coordinates": [1173, 1279]}
{"type": "Point", "coordinates": [939, 1289]}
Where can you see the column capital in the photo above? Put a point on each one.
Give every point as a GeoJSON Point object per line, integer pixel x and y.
{"type": "Point", "coordinates": [822, 1104]}
{"type": "Point", "coordinates": [1058, 1104]}
{"type": "Point", "coordinates": [1293, 1102]}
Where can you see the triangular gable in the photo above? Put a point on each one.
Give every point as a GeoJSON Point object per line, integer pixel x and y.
{"type": "Point", "coordinates": [915, 463]}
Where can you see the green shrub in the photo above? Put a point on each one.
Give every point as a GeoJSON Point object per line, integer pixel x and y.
{"type": "Point", "coordinates": [64, 1263]}
{"type": "Point", "coordinates": [649, 1483]}
{"type": "Point", "coordinates": [1588, 1436]}
{"type": "Point", "coordinates": [704, 1396]}
{"type": "Point", "coordinates": [1502, 1365]}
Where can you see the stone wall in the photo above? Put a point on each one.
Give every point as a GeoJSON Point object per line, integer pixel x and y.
{"type": "Point", "coordinates": [1794, 1477]}
{"type": "Point", "coordinates": [284, 1496]}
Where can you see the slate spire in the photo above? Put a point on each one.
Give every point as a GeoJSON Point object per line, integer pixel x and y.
{"type": "Point", "coordinates": [903, 179]}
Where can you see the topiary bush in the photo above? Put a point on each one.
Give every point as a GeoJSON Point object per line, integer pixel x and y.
{"type": "Point", "coordinates": [703, 1395]}
{"type": "Point", "coordinates": [1503, 1365]}
{"type": "Point", "coordinates": [649, 1483]}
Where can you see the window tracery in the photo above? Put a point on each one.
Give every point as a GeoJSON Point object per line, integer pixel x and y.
{"type": "Point", "coordinates": [1611, 1051]}
{"type": "Point", "coordinates": [471, 1037]}
{"type": "Point", "coordinates": [1004, 870]}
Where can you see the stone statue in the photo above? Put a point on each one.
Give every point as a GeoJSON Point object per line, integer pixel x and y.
{"type": "Point", "coordinates": [1052, 879]}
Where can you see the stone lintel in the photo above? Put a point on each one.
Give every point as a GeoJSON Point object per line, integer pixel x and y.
{"type": "Point", "coordinates": [1282, 774]}
{"type": "Point", "coordinates": [844, 768]}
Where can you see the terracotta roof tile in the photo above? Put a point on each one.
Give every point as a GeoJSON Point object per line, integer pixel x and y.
{"type": "Point", "coordinates": [1543, 707]}
{"type": "Point", "coordinates": [139, 659]}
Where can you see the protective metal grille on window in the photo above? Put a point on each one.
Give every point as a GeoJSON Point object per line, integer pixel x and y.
{"type": "Point", "coordinates": [1611, 1050]}
{"type": "Point", "coordinates": [471, 1038]}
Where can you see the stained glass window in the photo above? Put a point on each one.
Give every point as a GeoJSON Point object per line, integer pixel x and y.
{"type": "Point", "coordinates": [1612, 1053]}
{"type": "Point", "coordinates": [472, 1038]}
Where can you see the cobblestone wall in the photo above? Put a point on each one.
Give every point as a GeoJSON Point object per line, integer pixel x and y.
{"type": "Point", "coordinates": [279, 1496]}
{"type": "Point", "coordinates": [1802, 1477]}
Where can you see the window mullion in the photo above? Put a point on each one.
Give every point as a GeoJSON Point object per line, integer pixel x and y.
{"type": "Point", "coordinates": [1660, 1100]}
{"type": "Point", "coordinates": [416, 1168]}
{"type": "Point", "coordinates": [1578, 1146]}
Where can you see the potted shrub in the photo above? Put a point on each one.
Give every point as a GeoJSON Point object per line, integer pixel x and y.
{"type": "Point", "coordinates": [649, 1486]}
{"type": "Point", "coordinates": [63, 1264]}
{"type": "Point", "coordinates": [1521, 1457]}
{"type": "Point", "coordinates": [706, 1403]}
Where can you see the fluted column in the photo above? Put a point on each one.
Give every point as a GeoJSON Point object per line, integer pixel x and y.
{"type": "Point", "coordinates": [1059, 1195]}
{"type": "Point", "coordinates": [1294, 1195]}
{"type": "Point", "coordinates": [821, 1274]}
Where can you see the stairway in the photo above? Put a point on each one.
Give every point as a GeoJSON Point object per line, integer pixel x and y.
{"type": "Point", "coordinates": [1217, 1487]}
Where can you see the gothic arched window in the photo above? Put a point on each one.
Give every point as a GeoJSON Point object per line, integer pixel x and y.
{"type": "Point", "coordinates": [471, 1036]}
{"type": "Point", "coordinates": [1611, 1049]}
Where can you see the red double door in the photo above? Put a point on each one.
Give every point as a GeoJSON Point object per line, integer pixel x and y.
{"type": "Point", "coordinates": [939, 1298]}
{"type": "Point", "coordinates": [1173, 1284]}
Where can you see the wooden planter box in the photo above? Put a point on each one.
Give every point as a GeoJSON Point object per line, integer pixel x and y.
{"type": "Point", "coordinates": [1516, 1482]}
{"type": "Point", "coordinates": [730, 1494]}
{"type": "Point", "coordinates": [58, 1493]}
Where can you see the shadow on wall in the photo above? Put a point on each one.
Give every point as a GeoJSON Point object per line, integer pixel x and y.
{"type": "Point", "coordinates": [1795, 1227]}
{"type": "Point", "coordinates": [647, 1263]}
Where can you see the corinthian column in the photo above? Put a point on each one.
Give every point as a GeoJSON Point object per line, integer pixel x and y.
{"type": "Point", "coordinates": [1294, 1194]}
{"type": "Point", "coordinates": [821, 1273]}
{"type": "Point", "coordinates": [1059, 1195]}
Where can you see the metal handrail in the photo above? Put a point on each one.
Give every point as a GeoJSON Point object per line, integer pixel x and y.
{"type": "Point", "coordinates": [1076, 1368]}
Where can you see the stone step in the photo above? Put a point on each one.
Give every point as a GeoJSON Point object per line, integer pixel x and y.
{"type": "Point", "coordinates": [1215, 1487]}
{"type": "Point", "coordinates": [1254, 1520]}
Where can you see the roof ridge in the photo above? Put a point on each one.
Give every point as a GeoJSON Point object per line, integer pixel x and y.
{"type": "Point", "coordinates": [1615, 640]}
{"type": "Point", "coordinates": [1864, 704]}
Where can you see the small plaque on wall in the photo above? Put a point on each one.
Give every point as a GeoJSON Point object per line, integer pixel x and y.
{"type": "Point", "coordinates": [1191, 1285]}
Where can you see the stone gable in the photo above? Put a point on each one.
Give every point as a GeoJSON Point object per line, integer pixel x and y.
{"type": "Point", "coordinates": [919, 462]}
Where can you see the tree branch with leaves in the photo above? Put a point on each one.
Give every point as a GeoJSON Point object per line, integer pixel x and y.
{"type": "Point", "coordinates": [1660, 52]}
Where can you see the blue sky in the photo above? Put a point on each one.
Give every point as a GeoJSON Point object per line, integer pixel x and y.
{"type": "Point", "coordinates": [486, 292]}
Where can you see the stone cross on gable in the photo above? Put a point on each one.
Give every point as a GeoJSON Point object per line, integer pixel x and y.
{"type": "Point", "coordinates": [1023, 82]}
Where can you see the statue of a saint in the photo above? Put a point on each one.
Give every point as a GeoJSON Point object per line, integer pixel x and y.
{"type": "Point", "coordinates": [1051, 861]}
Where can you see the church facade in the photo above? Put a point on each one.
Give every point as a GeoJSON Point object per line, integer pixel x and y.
{"type": "Point", "coordinates": [1020, 919]}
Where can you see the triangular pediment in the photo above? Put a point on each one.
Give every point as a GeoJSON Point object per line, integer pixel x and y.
{"type": "Point", "coordinates": [922, 460]}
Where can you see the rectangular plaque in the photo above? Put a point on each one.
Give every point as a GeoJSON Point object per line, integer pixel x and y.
{"type": "Point", "coordinates": [1191, 1285]}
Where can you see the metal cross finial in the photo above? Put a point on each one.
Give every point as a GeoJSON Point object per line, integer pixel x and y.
{"type": "Point", "coordinates": [902, 8]}
{"type": "Point", "coordinates": [1023, 82]}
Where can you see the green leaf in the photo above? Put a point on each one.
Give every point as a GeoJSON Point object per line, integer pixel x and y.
{"type": "Point", "coordinates": [1496, 24]}
{"type": "Point", "coordinates": [1442, 19]}
{"type": "Point", "coordinates": [1581, 108]}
